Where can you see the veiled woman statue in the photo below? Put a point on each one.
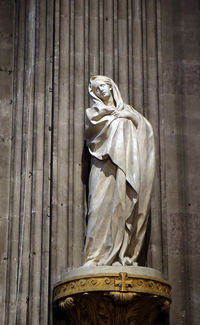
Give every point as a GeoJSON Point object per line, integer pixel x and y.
{"type": "Point", "coordinates": [121, 143]}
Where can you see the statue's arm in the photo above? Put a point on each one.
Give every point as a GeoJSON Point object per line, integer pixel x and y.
{"type": "Point", "coordinates": [128, 114]}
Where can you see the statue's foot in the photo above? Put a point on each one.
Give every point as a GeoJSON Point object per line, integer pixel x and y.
{"type": "Point", "coordinates": [125, 261]}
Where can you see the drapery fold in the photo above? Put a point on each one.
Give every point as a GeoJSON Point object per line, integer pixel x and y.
{"type": "Point", "coordinates": [121, 143]}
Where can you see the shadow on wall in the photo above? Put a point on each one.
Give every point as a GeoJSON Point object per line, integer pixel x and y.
{"type": "Point", "coordinates": [85, 173]}
{"type": "Point", "coordinates": [142, 258]}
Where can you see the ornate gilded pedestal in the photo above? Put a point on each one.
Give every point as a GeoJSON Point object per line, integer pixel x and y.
{"type": "Point", "coordinates": [119, 295]}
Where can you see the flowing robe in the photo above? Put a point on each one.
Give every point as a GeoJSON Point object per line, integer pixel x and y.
{"type": "Point", "coordinates": [120, 184]}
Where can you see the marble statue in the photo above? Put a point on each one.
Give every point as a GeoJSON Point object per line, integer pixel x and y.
{"type": "Point", "coordinates": [121, 143]}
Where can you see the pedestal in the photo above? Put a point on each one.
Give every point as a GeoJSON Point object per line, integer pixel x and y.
{"type": "Point", "coordinates": [112, 295]}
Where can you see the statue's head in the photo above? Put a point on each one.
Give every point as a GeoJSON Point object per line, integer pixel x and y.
{"type": "Point", "coordinates": [101, 87]}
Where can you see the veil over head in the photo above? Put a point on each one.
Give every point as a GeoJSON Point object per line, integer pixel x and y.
{"type": "Point", "coordinates": [119, 104]}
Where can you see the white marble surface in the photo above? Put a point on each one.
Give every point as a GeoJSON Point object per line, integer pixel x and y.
{"type": "Point", "coordinates": [137, 270]}
{"type": "Point", "coordinates": [121, 143]}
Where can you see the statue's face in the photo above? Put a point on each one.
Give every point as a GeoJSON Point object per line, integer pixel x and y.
{"type": "Point", "coordinates": [102, 90]}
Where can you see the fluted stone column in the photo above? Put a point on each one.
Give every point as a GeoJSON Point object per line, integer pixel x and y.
{"type": "Point", "coordinates": [26, 233]}
{"type": "Point", "coordinates": [6, 139]}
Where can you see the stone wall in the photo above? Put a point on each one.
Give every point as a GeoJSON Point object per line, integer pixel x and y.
{"type": "Point", "coordinates": [26, 110]}
{"type": "Point", "coordinates": [6, 138]}
{"type": "Point", "coordinates": [180, 101]}
{"type": "Point", "coordinates": [49, 49]}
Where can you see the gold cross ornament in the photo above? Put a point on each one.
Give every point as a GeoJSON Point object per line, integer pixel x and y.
{"type": "Point", "coordinates": [123, 282]}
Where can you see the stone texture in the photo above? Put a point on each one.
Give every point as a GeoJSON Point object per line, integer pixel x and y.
{"type": "Point", "coordinates": [25, 167]}
{"type": "Point", "coordinates": [6, 139]}
{"type": "Point", "coordinates": [180, 99]}
{"type": "Point", "coordinates": [154, 47]}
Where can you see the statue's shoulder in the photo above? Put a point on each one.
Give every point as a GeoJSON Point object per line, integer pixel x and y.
{"type": "Point", "coordinates": [90, 113]}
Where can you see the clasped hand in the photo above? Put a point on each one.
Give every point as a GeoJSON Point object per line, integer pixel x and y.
{"type": "Point", "coordinates": [126, 114]}
{"type": "Point", "coordinates": [121, 113]}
